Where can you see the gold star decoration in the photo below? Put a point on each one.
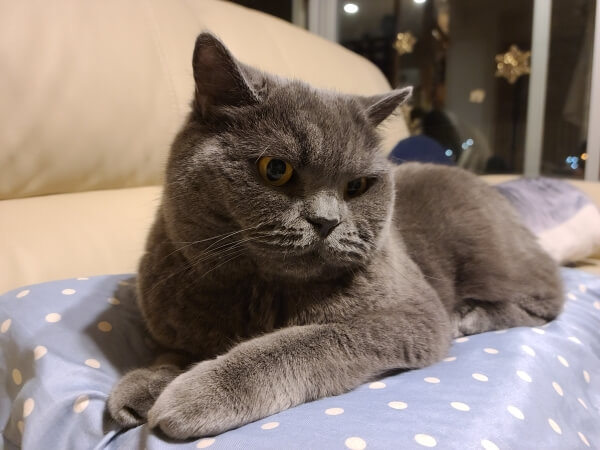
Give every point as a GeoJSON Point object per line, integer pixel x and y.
{"type": "Point", "coordinates": [513, 64]}
{"type": "Point", "coordinates": [405, 43]}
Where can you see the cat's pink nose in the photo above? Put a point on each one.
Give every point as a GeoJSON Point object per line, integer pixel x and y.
{"type": "Point", "coordinates": [323, 225]}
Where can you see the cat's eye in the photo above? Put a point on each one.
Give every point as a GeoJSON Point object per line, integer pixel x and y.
{"type": "Point", "coordinates": [356, 187]}
{"type": "Point", "coordinates": [275, 171]}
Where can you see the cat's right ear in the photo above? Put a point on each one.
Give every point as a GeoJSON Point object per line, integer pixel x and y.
{"type": "Point", "coordinates": [220, 81]}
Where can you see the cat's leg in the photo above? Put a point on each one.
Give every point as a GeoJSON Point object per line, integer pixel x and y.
{"type": "Point", "coordinates": [476, 316]}
{"type": "Point", "coordinates": [134, 394]}
{"type": "Point", "coordinates": [294, 365]}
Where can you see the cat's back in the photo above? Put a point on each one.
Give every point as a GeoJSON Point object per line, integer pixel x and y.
{"type": "Point", "coordinates": [463, 233]}
{"type": "Point", "coordinates": [433, 195]}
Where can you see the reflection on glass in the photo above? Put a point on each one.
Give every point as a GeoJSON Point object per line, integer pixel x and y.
{"type": "Point", "coordinates": [568, 91]}
{"type": "Point", "coordinates": [469, 63]}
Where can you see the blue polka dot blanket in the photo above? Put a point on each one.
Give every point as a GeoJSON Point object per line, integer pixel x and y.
{"type": "Point", "coordinates": [64, 344]}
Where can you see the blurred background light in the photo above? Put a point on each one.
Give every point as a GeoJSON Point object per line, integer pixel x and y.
{"type": "Point", "coordinates": [351, 8]}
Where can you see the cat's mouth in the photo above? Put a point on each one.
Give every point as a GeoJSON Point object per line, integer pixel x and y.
{"type": "Point", "coordinates": [317, 258]}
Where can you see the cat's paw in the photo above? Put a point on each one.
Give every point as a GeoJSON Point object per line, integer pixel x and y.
{"type": "Point", "coordinates": [134, 394]}
{"type": "Point", "coordinates": [196, 405]}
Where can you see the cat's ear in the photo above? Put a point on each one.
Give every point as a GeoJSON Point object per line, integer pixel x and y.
{"type": "Point", "coordinates": [379, 107]}
{"type": "Point", "coordinates": [220, 80]}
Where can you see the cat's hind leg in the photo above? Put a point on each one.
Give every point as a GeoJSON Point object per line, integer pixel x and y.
{"type": "Point", "coordinates": [476, 316]}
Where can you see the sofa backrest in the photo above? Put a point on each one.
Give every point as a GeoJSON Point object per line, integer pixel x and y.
{"type": "Point", "coordinates": [94, 91]}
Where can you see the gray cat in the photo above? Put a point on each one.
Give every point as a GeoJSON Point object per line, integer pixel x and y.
{"type": "Point", "coordinates": [290, 261]}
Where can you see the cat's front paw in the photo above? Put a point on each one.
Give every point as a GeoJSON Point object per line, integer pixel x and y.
{"type": "Point", "coordinates": [195, 404]}
{"type": "Point", "coordinates": [134, 394]}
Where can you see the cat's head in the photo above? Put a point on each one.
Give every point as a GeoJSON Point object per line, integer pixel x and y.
{"type": "Point", "coordinates": [294, 173]}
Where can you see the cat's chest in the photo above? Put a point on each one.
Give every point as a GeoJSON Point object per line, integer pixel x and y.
{"type": "Point", "coordinates": [208, 324]}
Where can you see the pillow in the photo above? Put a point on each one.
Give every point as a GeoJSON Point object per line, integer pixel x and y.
{"type": "Point", "coordinates": [565, 220]}
{"type": "Point", "coordinates": [65, 343]}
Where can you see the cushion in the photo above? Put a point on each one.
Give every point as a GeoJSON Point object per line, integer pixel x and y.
{"type": "Point", "coordinates": [64, 344]}
{"type": "Point", "coordinates": [565, 220]}
{"type": "Point", "coordinates": [60, 236]}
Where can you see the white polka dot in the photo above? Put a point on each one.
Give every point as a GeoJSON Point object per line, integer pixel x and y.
{"type": "Point", "coordinates": [489, 445]}
{"type": "Point", "coordinates": [397, 405]}
{"type": "Point", "coordinates": [580, 400]}
{"type": "Point", "coordinates": [377, 385]}
{"type": "Point", "coordinates": [524, 376]}
{"type": "Point", "coordinates": [82, 278]}
{"type": "Point", "coordinates": [81, 403]}
{"type": "Point", "coordinates": [460, 406]}
{"type": "Point", "coordinates": [586, 376]}
{"type": "Point", "coordinates": [574, 339]}
{"type": "Point", "coordinates": [458, 341]}
{"type": "Point", "coordinates": [114, 301]}
{"type": "Point", "coordinates": [500, 331]}
{"type": "Point", "coordinates": [53, 317]}
{"type": "Point", "coordinates": [450, 359]}
{"type": "Point", "coordinates": [480, 377]}
{"type": "Point", "coordinates": [557, 388]}
{"type": "Point", "coordinates": [583, 438]}
{"type": "Point", "coordinates": [527, 349]}
{"type": "Point", "coordinates": [334, 411]}
{"type": "Point", "coordinates": [270, 425]}
{"type": "Point", "coordinates": [17, 377]}
{"type": "Point", "coordinates": [597, 304]}
{"type": "Point", "coordinates": [538, 330]}
{"type": "Point", "coordinates": [425, 440]}
{"type": "Point", "coordinates": [28, 406]}
{"type": "Point", "coordinates": [68, 291]}
{"type": "Point", "coordinates": [554, 426]}
{"type": "Point", "coordinates": [491, 351]}
{"type": "Point", "coordinates": [104, 326]}
{"type": "Point", "coordinates": [21, 426]}
{"type": "Point", "coordinates": [23, 293]}
{"type": "Point", "coordinates": [205, 443]}
{"type": "Point", "coordinates": [582, 288]}
{"type": "Point", "coordinates": [94, 363]}
{"type": "Point", "coordinates": [516, 412]}
{"type": "Point", "coordinates": [571, 296]}
{"type": "Point", "coordinates": [5, 326]}
{"type": "Point", "coordinates": [562, 360]}
{"type": "Point", "coordinates": [432, 380]}
{"type": "Point", "coordinates": [355, 443]}
{"type": "Point", "coordinates": [39, 351]}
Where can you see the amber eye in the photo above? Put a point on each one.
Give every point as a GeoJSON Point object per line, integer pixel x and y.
{"type": "Point", "coordinates": [275, 171]}
{"type": "Point", "coordinates": [356, 187]}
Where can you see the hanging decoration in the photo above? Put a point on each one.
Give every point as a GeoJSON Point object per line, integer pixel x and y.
{"type": "Point", "coordinates": [405, 43]}
{"type": "Point", "coordinates": [513, 64]}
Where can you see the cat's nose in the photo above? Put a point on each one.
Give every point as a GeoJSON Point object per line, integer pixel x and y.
{"type": "Point", "coordinates": [323, 225]}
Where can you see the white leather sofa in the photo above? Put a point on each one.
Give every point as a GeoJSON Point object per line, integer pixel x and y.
{"type": "Point", "coordinates": [92, 95]}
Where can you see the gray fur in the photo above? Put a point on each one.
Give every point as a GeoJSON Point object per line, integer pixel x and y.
{"type": "Point", "coordinates": [237, 280]}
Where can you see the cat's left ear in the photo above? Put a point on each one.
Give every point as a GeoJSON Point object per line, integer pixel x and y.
{"type": "Point", "coordinates": [379, 107]}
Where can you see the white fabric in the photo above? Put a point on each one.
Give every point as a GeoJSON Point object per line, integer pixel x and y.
{"type": "Point", "coordinates": [575, 239]}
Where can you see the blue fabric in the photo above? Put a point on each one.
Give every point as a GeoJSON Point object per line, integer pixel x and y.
{"type": "Point", "coordinates": [422, 149]}
{"type": "Point", "coordinates": [63, 344]}
{"type": "Point", "coordinates": [544, 203]}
